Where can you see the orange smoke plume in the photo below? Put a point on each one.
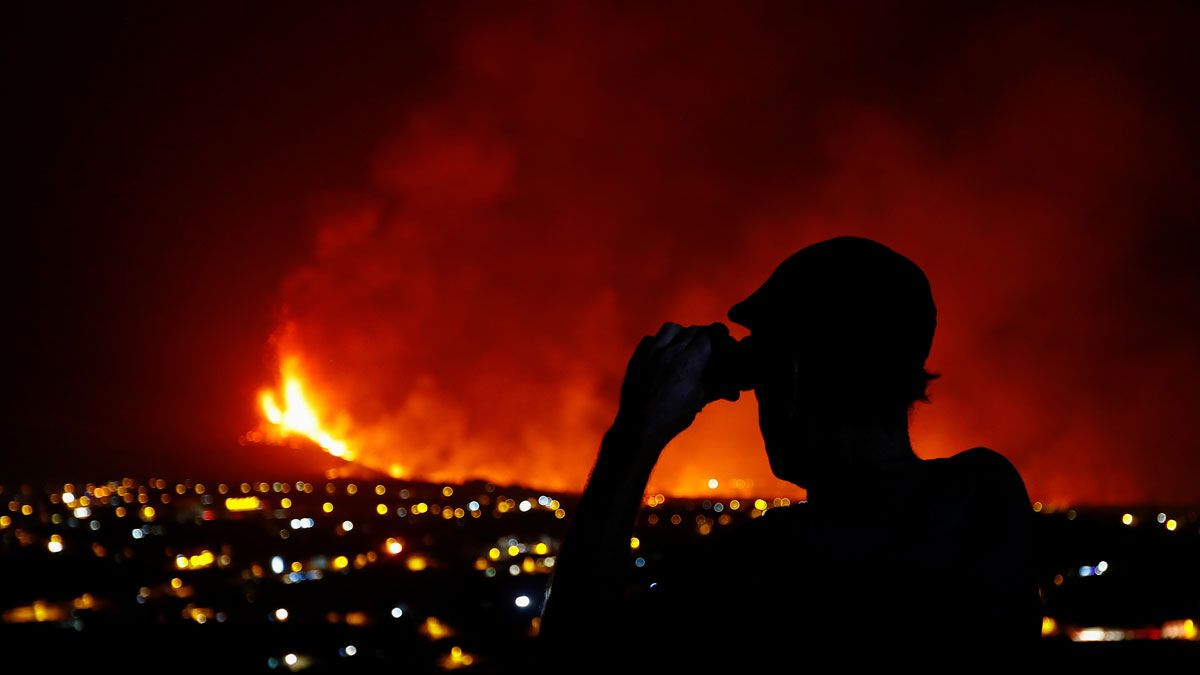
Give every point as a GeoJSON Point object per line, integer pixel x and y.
{"type": "Point", "coordinates": [471, 307]}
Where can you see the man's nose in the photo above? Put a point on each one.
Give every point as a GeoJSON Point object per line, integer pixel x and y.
{"type": "Point", "coordinates": [739, 314]}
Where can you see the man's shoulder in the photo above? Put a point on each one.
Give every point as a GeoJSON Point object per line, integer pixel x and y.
{"type": "Point", "coordinates": [993, 474]}
{"type": "Point", "coordinates": [984, 456]}
{"type": "Point", "coordinates": [997, 503]}
{"type": "Point", "coordinates": [1010, 607]}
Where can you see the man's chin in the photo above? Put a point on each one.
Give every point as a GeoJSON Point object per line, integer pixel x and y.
{"type": "Point", "coordinates": [786, 472]}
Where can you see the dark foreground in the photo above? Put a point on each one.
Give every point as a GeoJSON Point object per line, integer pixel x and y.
{"type": "Point", "coordinates": [412, 577]}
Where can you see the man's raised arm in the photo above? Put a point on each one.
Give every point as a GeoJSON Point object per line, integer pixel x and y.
{"type": "Point", "coordinates": [660, 397]}
{"type": "Point", "coordinates": [587, 591]}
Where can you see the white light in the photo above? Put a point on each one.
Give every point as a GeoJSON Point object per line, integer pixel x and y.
{"type": "Point", "coordinates": [522, 601]}
{"type": "Point", "coordinates": [544, 500]}
{"type": "Point", "coordinates": [1102, 567]}
{"type": "Point", "coordinates": [295, 523]}
{"type": "Point", "coordinates": [83, 512]}
{"type": "Point", "coordinates": [525, 506]}
{"type": "Point", "coordinates": [1100, 634]}
{"type": "Point", "coordinates": [68, 497]}
{"type": "Point", "coordinates": [277, 565]}
{"type": "Point", "coordinates": [281, 614]}
{"type": "Point", "coordinates": [514, 570]}
{"type": "Point", "coordinates": [397, 612]}
{"type": "Point", "coordinates": [473, 505]}
{"type": "Point", "coordinates": [290, 659]}
{"type": "Point", "coordinates": [1162, 517]}
{"type": "Point", "coordinates": [347, 525]}
{"type": "Point", "coordinates": [54, 546]}
{"type": "Point", "coordinates": [712, 483]}
{"type": "Point", "coordinates": [137, 533]}
{"type": "Point", "coordinates": [351, 650]}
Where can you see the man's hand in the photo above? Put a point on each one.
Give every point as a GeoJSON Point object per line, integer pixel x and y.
{"type": "Point", "coordinates": [662, 393]}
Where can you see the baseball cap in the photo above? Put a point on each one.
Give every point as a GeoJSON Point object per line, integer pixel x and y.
{"type": "Point", "coordinates": [847, 297]}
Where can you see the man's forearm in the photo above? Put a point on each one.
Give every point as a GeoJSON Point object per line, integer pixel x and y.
{"type": "Point", "coordinates": [588, 585]}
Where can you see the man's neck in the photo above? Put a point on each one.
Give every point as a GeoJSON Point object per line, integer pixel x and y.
{"type": "Point", "coordinates": [866, 463]}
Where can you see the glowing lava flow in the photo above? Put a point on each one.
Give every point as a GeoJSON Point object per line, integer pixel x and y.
{"type": "Point", "coordinates": [298, 416]}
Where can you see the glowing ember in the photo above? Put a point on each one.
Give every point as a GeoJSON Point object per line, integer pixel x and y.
{"type": "Point", "coordinates": [298, 415]}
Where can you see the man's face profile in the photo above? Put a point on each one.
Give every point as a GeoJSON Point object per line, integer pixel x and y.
{"type": "Point", "coordinates": [784, 408]}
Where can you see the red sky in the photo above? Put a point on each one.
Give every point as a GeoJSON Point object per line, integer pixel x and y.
{"type": "Point", "coordinates": [466, 218]}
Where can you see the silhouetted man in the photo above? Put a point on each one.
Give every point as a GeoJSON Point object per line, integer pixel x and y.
{"type": "Point", "coordinates": [891, 556]}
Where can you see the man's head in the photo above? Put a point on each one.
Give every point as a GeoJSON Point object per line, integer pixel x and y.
{"type": "Point", "coordinates": [842, 329]}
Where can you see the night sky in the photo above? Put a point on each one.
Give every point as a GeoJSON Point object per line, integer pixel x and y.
{"type": "Point", "coordinates": [459, 219]}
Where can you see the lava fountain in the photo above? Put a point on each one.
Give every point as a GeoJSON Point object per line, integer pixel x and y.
{"type": "Point", "coordinates": [298, 415]}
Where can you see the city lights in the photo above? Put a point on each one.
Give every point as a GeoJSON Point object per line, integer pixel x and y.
{"type": "Point", "coordinates": [428, 540]}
